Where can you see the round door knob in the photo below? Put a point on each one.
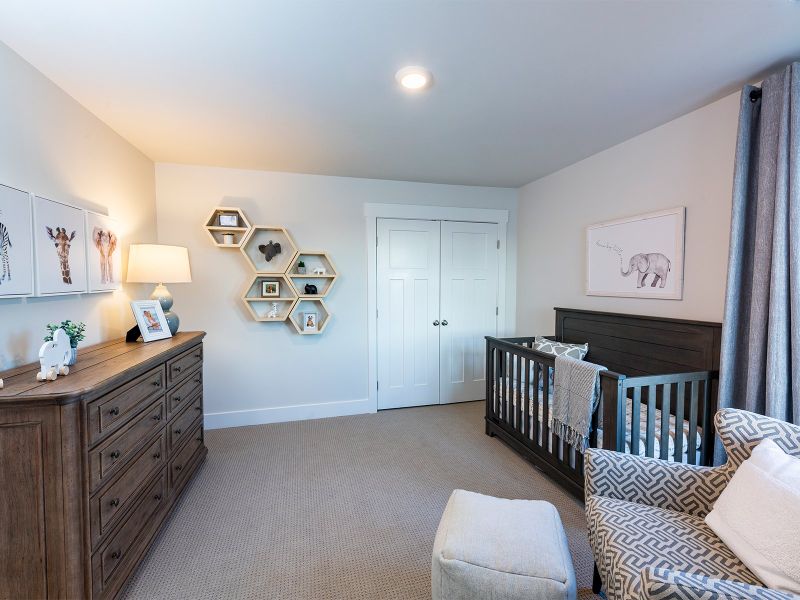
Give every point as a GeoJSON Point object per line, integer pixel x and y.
{"type": "Point", "coordinates": [156, 383]}
{"type": "Point", "coordinates": [157, 417]}
{"type": "Point", "coordinates": [177, 398]}
{"type": "Point", "coordinates": [178, 467]}
{"type": "Point", "coordinates": [114, 502]}
{"type": "Point", "coordinates": [157, 456]}
{"type": "Point", "coordinates": [157, 497]}
{"type": "Point", "coordinates": [444, 323]}
{"type": "Point", "coordinates": [114, 455]}
{"type": "Point", "coordinates": [436, 323]}
{"type": "Point", "coordinates": [114, 411]}
{"type": "Point", "coordinates": [177, 432]}
{"type": "Point", "coordinates": [116, 554]}
{"type": "Point", "coordinates": [177, 368]}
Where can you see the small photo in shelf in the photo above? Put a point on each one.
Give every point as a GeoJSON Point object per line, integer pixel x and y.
{"type": "Point", "coordinates": [228, 220]}
{"type": "Point", "coordinates": [151, 320]}
{"type": "Point", "coordinates": [270, 289]}
{"type": "Point", "coordinates": [310, 321]}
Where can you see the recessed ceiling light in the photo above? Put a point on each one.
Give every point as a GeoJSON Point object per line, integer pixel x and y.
{"type": "Point", "coordinates": [414, 78]}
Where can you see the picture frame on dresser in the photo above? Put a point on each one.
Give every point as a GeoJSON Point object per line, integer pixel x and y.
{"type": "Point", "coordinates": [150, 318]}
{"type": "Point", "coordinates": [16, 243]}
{"type": "Point", "coordinates": [103, 253]}
{"type": "Point", "coordinates": [59, 237]}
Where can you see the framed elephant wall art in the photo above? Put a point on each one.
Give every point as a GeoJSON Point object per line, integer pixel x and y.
{"type": "Point", "coordinates": [637, 257]}
{"type": "Point", "coordinates": [103, 252]}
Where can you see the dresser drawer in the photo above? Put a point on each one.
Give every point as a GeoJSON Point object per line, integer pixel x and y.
{"type": "Point", "coordinates": [179, 428]}
{"type": "Point", "coordinates": [178, 397]}
{"type": "Point", "coordinates": [108, 504]}
{"type": "Point", "coordinates": [126, 543]}
{"type": "Point", "coordinates": [115, 452]}
{"type": "Point", "coordinates": [112, 411]}
{"type": "Point", "coordinates": [179, 465]}
{"type": "Point", "coordinates": [180, 366]}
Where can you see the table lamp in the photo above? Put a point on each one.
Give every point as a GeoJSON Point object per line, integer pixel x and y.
{"type": "Point", "coordinates": [159, 264]}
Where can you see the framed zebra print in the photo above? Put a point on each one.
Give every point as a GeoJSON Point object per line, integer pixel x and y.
{"type": "Point", "coordinates": [59, 237]}
{"type": "Point", "coordinates": [16, 245]}
{"type": "Point", "coordinates": [103, 252]}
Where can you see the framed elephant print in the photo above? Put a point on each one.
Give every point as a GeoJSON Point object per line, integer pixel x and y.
{"type": "Point", "coordinates": [16, 246]}
{"type": "Point", "coordinates": [60, 242]}
{"type": "Point", "coordinates": [103, 253]}
{"type": "Point", "coordinates": [637, 257]}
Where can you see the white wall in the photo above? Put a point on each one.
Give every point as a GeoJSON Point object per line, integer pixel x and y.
{"type": "Point", "coordinates": [686, 162]}
{"type": "Point", "coordinates": [51, 145]}
{"type": "Point", "coordinates": [267, 369]}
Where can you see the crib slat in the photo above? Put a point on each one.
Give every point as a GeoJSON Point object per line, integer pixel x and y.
{"type": "Point", "coordinates": [680, 401]}
{"type": "Point", "coordinates": [545, 408]}
{"type": "Point", "coordinates": [537, 372]}
{"type": "Point", "coordinates": [691, 451]}
{"type": "Point", "coordinates": [665, 415]}
{"type": "Point", "coordinates": [651, 421]}
{"type": "Point", "coordinates": [518, 395]}
{"type": "Point", "coordinates": [636, 421]}
{"type": "Point", "coordinates": [506, 400]}
{"type": "Point", "coordinates": [707, 442]}
{"type": "Point", "coordinates": [526, 404]}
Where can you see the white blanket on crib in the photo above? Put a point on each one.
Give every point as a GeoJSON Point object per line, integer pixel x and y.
{"type": "Point", "coordinates": [575, 398]}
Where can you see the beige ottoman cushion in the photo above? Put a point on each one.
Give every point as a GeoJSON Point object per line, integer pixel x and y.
{"type": "Point", "coordinates": [494, 549]}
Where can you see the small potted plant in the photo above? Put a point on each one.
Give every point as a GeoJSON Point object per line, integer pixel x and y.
{"type": "Point", "coordinates": [301, 268]}
{"type": "Point", "coordinates": [75, 331]}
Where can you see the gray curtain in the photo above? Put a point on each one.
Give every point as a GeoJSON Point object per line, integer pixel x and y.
{"type": "Point", "coordinates": [760, 364]}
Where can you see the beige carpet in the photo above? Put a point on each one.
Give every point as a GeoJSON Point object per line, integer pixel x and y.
{"type": "Point", "coordinates": [336, 508]}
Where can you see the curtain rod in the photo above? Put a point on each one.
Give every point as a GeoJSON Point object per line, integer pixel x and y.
{"type": "Point", "coordinates": [755, 94]}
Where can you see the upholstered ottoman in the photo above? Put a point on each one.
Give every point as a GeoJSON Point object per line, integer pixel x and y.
{"type": "Point", "coordinates": [493, 549]}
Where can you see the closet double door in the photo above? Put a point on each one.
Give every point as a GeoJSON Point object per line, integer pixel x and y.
{"type": "Point", "coordinates": [437, 297]}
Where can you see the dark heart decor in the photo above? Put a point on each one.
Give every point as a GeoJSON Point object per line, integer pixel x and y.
{"type": "Point", "coordinates": [270, 250]}
{"type": "Point", "coordinates": [311, 290]}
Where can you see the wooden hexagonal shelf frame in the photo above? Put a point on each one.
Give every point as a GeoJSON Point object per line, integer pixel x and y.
{"type": "Point", "coordinates": [260, 306]}
{"type": "Point", "coordinates": [262, 235]}
{"type": "Point", "coordinates": [313, 259]}
{"type": "Point", "coordinates": [304, 305]}
{"type": "Point", "coordinates": [216, 231]}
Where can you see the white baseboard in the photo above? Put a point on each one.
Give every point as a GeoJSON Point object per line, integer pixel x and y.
{"type": "Point", "coordinates": [281, 414]}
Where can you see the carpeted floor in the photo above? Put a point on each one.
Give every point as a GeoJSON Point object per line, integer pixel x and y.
{"type": "Point", "coordinates": [337, 508]}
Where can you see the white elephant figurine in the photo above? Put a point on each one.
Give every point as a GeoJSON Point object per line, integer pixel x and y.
{"type": "Point", "coordinates": [319, 271]}
{"type": "Point", "coordinates": [53, 357]}
{"type": "Point", "coordinates": [654, 263]}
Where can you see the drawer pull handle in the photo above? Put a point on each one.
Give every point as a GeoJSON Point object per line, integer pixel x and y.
{"type": "Point", "coordinates": [177, 398]}
{"type": "Point", "coordinates": [114, 455]}
{"type": "Point", "coordinates": [114, 502]}
{"type": "Point", "coordinates": [198, 408]}
{"type": "Point", "coordinates": [116, 554]}
{"type": "Point", "coordinates": [199, 439]}
{"type": "Point", "coordinates": [177, 432]}
{"type": "Point", "coordinates": [198, 355]}
{"type": "Point", "coordinates": [157, 455]}
{"type": "Point", "coordinates": [157, 497]}
{"type": "Point", "coordinates": [114, 411]}
{"type": "Point", "coordinates": [157, 417]}
{"type": "Point", "coordinates": [197, 380]}
{"type": "Point", "coordinates": [178, 467]}
{"type": "Point", "coordinates": [177, 368]}
{"type": "Point", "coordinates": [157, 382]}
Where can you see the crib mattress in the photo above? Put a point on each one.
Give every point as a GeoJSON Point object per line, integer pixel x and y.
{"type": "Point", "coordinates": [642, 446]}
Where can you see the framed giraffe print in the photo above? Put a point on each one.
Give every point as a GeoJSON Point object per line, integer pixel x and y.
{"type": "Point", "coordinates": [60, 243]}
{"type": "Point", "coordinates": [16, 245]}
{"type": "Point", "coordinates": [103, 253]}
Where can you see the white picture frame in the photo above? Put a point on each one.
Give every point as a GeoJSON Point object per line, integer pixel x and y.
{"type": "Point", "coordinates": [309, 321]}
{"type": "Point", "coordinates": [151, 320]}
{"type": "Point", "coordinates": [16, 243]}
{"type": "Point", "coordinates": [59, 231]}
{"type": "Point", "coordinates": [648, 247]}
{"type": "Point", "coordinates": [103, 253]}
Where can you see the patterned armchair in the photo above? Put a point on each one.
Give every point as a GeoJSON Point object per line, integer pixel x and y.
{"type": "Point", "coordinates": [645, 519]}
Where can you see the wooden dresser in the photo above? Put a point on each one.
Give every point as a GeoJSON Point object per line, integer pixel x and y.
{"type": "Point", "coordinates": [91, 464]}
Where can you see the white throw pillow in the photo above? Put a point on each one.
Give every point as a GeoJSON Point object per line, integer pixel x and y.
{"type": "Point", "coordinates": [758, 516]}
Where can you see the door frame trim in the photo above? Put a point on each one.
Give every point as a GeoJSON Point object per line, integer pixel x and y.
{"type": "Point", "coordinates": [375, 211]}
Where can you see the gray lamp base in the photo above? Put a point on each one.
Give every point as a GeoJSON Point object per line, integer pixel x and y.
{"type": "Point", "coordinates": [164, 297]}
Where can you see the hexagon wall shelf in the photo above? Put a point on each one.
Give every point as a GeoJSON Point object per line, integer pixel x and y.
{"type": "Point", "coordinates": [313, 259]}
{"type": "Point", "coordinates": [216, 231]}
{"type": "Point", "coordinates": [303, 306]}
{"type": "Point", "coordinates": [261, 235]}
{"type": "Point", "coordinates": [260, 306]}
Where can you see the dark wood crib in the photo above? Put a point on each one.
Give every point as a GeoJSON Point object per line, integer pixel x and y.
{"type": "Point", "coordinates": [658, 396]}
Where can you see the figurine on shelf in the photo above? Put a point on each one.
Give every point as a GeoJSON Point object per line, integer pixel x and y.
{"type": "Point", "coordinates": [53, 357]}
{"type": "Point", "coordinates": [319, 271]}
{"type": "Point", "coordinates": [310, 289]}
{"type": "Point", "coordinates": [273, 314]}
{"type": "Point", "coordinates": [270, 250]}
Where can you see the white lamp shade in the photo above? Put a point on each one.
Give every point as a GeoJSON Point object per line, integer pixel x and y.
{"type": "Point", "coordinates": [156, 263]}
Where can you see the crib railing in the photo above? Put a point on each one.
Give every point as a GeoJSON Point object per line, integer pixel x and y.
{"type": "Point", "coordinates": [518, 391]}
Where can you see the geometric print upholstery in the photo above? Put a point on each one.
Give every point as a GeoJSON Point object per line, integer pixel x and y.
{"type": "Point", "coordinates": [645, 517]}
{"type": "Point", "coordinates": [660, 584]}
{"type": "Point", "coordinates": [628, 538]}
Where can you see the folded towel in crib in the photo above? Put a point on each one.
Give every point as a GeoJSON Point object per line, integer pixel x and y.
{"type": "Point", "coordinates": [575, 397]}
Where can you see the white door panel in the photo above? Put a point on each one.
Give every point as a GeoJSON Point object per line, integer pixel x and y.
{"type": "Point", "coordinates": [408, 305]}
{"type": "Point", "coordinates": [469, 278]}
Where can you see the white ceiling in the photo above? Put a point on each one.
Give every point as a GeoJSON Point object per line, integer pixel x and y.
{"type": "Point", "coordinates": [522, 88]}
